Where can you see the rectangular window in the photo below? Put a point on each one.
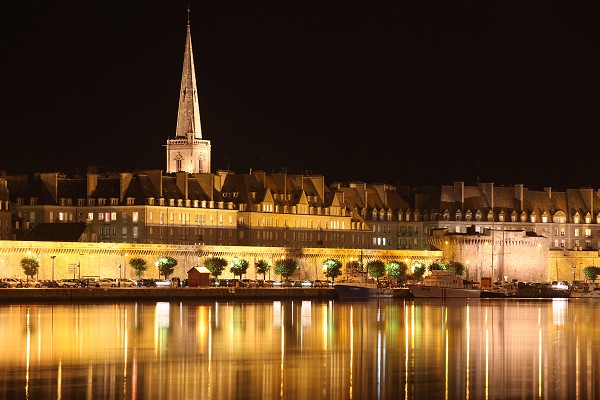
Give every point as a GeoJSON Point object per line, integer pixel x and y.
{"type": "Point", "coordinates": [576, 231]}
{"type": "Point", "coordinates": [135, 216]}
{"type": "Point", "coordinates": [135, 232]}
{"type": "Point", "coordinates": [90, 216]}
{"type": "Point", "coordinates": [113, 216]}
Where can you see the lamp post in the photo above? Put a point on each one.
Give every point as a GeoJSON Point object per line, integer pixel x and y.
{"type": "Point", "coordinates": [574, 269]}
{"type": "Point", "coordinates": [52, 257]}
{"type": "Point", "coordinates": [79, 264]}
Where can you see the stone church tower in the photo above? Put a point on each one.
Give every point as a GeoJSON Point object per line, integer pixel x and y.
{"type": "Point", "coordinates": [188, 151]}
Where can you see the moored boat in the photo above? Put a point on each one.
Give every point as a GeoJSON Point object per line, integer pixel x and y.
{"type": "Point", "coordinates": [444, 284]}
{"type": "Point", "coordinates": [358, 286]}
{"type": "Point", "coordinates": [586, 290]}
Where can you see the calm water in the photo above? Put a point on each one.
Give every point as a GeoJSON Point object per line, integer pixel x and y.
{"type": "Point", "coordinates": [388, 349]}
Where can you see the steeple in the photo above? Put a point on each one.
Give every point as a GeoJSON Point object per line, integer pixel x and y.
{"type": "Point", "coordinates": [188, 117]}
{"type": "Point", "coordinates": [188, 152]}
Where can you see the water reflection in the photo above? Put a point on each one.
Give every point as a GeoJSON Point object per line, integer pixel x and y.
{"type": "Point", "coordinates": [421, 349]}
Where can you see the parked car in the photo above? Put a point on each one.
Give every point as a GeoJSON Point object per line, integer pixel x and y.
{"type": "Point", "coordinates": [163, 283]}
{"type": "Point", "coordinates": [228, 282]}
{"type": "Point", "coordinates": [320, 283]}
{"type": "Point", "coordinates": [248, 283]}
{"type": "Point", "coordinates": [10, 283]}
{"type": "Point", "coordinates": [32, 284]}
{"type": "Point", "coordinates": [105, 282]}
{"type": "Point", "coordinates": [126, 282]}
{"type": "Point", "coordinates": [66, 283]}
{"type": "Point", "coordinates": [268, 283]}
{"type": "Point", "coordinates": [146, 282]}
{"type": "Point", "coordinates": [286, 283]}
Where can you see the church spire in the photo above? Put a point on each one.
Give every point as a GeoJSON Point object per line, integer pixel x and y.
{"type": "Point", "coordinates": [188, 152]}
{"type": "Point", "coordinates": [188, 116]}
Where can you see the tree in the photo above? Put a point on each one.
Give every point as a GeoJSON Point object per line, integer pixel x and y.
{"type": "Point", "coordinates": [458, 268]}
{"type": "Point", "coordinates": [437, 265]}
{"type": "Point", "coordinates": [215, 265]}
{"type": "Point", "coordinates": [166, 265]}
{"type": "Point", "coordinates": [31, 266]}
{"type": "Point", "coordinates": [591, 272]}
{"type": "Point", "coordinates": [332, 268]}
{"type": "Point", "coordinates": [376, 268]}
{"type": "Point", "coordinates": [286, 267]}
{"type": "Point", "coordinates": [262, 267]}
{"type": "Point", "coordinates": [418, 271]}
{"type": "Point", "coordinates": [397, 270]}
{"type": "Point", "coordinates": [239, 267]}
{"type": "Point", "coordinates": [139, 265]}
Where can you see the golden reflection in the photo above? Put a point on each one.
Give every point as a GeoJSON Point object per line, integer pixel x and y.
{"type": "Point", "coordinates": [28, 355]}
{"type": "Point", "coordinates": [487, 361]}
{"type": "Point", "coordinates": [468, 355]}
{"type": "Point", "coordinates": [351, 328]}
{"type": "Point", "coordinates": [291, 350]}
{"type": "Point", "coordinates": [59, 381]}
{"type": "Point", "coordinates": [446, 378]}
{"type": "Point", "coordinates": [540, 352]}
{"type": "Point", "coordinates": [282, 339]}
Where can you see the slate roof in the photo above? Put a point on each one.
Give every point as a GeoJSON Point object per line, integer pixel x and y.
{"type": "Point", "coordinates": [53, 232]}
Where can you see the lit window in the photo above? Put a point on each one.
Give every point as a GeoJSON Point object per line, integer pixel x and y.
{"type": "Point", "coordinates": [135, 216]}
{"type": "Point", "coordinates": [90, 216]}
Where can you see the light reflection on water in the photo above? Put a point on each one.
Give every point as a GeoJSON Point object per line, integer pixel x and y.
{"type": "Point", "coordinates": [387, 349]}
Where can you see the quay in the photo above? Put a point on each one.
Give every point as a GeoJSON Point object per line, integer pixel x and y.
{"type": "Point", "coordinates": [167, 294]}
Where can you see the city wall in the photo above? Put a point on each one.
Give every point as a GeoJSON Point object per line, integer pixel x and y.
{"type": "Point", "coordinates": [76, 259]}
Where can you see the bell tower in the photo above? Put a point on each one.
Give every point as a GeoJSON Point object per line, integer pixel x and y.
{"type": "Point", "coordinates": [188, 151]}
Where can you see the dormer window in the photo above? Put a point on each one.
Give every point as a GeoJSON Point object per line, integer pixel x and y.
{"type": "Point", "coordinates": [114, 201]}
{"type": "Point", "coordinates": [576, 218]}
{"type": "Point", "coordinates": [171, 202]}
{"type": "Point", "coordinates": [91, 202]}
{"type": "Point", "coordinates": [101, 202]}
{"type": "Point", "coordinates": [150, 201]}
{"type": "Point", "coordinates": [80, 202]}
{"type": "Point", "coordinates": [130, 201]}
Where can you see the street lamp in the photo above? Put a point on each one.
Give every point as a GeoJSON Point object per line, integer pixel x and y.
{"type": "Point", "coordinates": [52, 257]}
{"type": "Point", "coordinates": [79, 264]}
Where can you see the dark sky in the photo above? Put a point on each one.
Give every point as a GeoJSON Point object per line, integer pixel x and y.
{"type": "Point", "coordinates": [404, 92]}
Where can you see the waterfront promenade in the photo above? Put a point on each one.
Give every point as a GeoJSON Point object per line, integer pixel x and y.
{"type": "Point", "coordinates": [171, 294]}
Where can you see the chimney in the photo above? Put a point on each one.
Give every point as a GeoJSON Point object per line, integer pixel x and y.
{"type": "Point", "coordinates": [519, 195]}
{"type": "Point", "coordinates": [488, 190]}
{"type": "Point", "coordinates": [181, 180]}
{"type": "Point", "coordinates": [50, 180]}
{"type": "Point", "coordinates": [549, 191]}
{"type": "Point", "coordinates": [124, 183]}
{"type": "Point", "coordinates": [459, 192]}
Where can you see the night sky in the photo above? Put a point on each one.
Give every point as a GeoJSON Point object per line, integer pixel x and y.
{"type": "Point", "coordinates": [404, 92]}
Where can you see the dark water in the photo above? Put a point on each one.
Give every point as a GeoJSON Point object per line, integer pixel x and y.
{"type": "Point", "coordinates": [389, 349]}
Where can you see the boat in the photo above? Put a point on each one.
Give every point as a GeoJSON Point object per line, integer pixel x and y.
{"type": "Point", "coordinates": [443, 284]}
{"type": "Point", "coordinates": [586, 290]}
{"type": "Point", "coordinates": [357, 285]}
{"type": "Point", "coordinates": [491, 289]}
